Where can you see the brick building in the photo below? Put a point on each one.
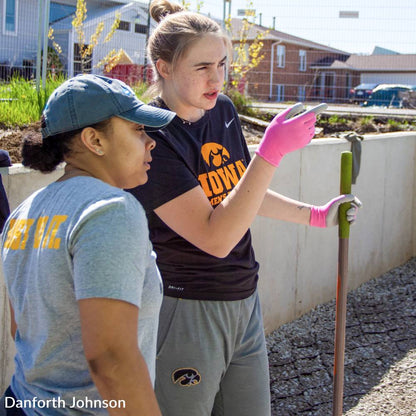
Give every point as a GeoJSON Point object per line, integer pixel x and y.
{"type": "Point", "coordinates": [296, 69]}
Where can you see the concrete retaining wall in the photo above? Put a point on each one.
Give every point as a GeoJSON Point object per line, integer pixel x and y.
{"type": "Point", "coordinates": [298, 264]}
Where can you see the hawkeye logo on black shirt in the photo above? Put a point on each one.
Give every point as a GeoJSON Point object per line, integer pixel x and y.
{"type": "Point", "coordinates": [222, 175]}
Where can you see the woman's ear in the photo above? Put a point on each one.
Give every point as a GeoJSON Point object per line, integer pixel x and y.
{"type": "Point", "coordinates": [91, 140]}
{"type": "Point", "coordinates": [164, 68]}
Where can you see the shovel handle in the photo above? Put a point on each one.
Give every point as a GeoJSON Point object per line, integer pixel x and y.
{"type": "Point", "coordinates": [345, 188]}
{"type": "Point", "coordinates": [341, 301]}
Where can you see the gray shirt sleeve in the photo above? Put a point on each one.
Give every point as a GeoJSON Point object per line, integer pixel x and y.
{"type": "Point", "coordinates": [110, 250]}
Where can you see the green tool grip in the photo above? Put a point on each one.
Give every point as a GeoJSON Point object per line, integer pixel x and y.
{"type": "Point", "coordinates": [345, 188]}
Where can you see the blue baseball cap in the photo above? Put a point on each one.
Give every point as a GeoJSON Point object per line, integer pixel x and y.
{"type": "Point", "coordinates": [88, 99]}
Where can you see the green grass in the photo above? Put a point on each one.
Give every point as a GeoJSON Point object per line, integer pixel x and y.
{"type": "Point", "coordinates": [140, 90]}
{"type": "Point", "coordinates": [366, 120]}
{"type": "Point", "coordinates": [335, 119]}
{"type": "Point", "coordinates": [21, 104]}
{"type": "Point", "coordinates": [394, 125]}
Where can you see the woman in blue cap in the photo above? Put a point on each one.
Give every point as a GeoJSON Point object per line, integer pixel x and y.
{"type": "Point", "coordinates": [84, 290]}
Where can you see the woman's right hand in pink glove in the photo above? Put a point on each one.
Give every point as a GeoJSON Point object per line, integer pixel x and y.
{"type": "Point", "coordinates": [284, 135]}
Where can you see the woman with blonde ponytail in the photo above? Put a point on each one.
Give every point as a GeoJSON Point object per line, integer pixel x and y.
{"type": "Point", "coordinates": [203, 193]}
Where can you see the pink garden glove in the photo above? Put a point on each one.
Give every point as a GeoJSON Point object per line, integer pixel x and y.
{"type": "Point", "coordinates": [327, 215]}
{"type": "Point", "coordinates": [284, 135]}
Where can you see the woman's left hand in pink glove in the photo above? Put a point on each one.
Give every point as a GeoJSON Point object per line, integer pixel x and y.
{"type": "Point", "coordinates": [327, 215]}
{"type": "Point", "coordinates": [285, 134]}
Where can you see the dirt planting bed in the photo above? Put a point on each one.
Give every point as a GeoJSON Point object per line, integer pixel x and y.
{"type": "Point", "coordinates": [11, 138]}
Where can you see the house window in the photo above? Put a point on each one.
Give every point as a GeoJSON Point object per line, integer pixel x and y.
{"type": "Point", "coordinates": [124, 26]}
{"type": "Point", "coordinates": [138, 28]}
{"type": "Point", "coordinates": [10, 16]}
{"type": "Point", "coordinates": [301, 93]}
{"type": "Point", "coordinates": [281, 56]}
{"type": "Point", "coordinates": [302, 60]}
{"type": "Point", "coordinates": [81, 67]}
{"type": "Point", "coordinates": [280, 92]}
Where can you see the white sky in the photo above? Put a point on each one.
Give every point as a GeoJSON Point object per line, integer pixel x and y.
{"type": "Point", "coordinates": [390, 24]}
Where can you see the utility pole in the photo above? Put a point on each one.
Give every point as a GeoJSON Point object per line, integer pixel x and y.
{"type": "Point", "coordinates": [45, 42]}
{"type": "Point", "coordinates": [225, 15]}
{"type": "Point", "coordinates": [147, 41]}
{"type": "Point", "coordinates": [39, 51]}
{"type": "Point", "coordinates": [43, 29]}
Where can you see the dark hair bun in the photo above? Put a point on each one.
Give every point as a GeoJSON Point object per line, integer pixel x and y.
{"type": "Point", "coordinates": [44, 155]}
{"type": "Point", "coordinates": [161, 8]}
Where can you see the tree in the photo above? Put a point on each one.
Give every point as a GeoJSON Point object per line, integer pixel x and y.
{"type": "Point", "coordinates": [247, 54]}
{"type": "Point", "coordinates": [54, 63]}
{"type": "Point", "coordinates": [85, 49]}
{"type": "Point", "coordinates": [187, 5]}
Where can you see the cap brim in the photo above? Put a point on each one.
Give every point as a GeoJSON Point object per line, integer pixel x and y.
{"type": "Point", "coordinates": [148, 116]}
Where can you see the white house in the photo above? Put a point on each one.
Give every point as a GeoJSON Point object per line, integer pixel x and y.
{"type": "Point", "coordinates": [20, 22]}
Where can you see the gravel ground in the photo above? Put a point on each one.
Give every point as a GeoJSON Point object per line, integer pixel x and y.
{"type": "Point", "coordinates": [380, 353]}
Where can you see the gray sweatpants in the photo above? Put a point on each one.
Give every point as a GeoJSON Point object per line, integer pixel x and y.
{"type": "Point", "coordinates": [212, 358]}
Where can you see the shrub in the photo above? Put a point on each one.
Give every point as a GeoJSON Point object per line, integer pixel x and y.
{"type": "Point", "coordinates": [241, 102]}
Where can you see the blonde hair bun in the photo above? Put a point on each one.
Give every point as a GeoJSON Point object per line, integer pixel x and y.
{"type": "Point", "coordinates": [161, 8]}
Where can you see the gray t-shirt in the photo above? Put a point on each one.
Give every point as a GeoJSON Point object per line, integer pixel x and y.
{"type": "Point", "coordinates": [76, 239]}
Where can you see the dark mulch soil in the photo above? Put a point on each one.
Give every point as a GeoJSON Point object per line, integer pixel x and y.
{"type": "Point", "coordinates": [12, 138]}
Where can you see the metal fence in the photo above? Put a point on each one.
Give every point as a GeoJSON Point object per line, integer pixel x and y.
{"type": "Point", "coordinates": [298, 64]}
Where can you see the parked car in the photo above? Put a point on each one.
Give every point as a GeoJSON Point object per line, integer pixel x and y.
{"type": "Point", "coordinates": [409, 98]}
{"type": "Point", "coordinates": [387, 95]}
{"type": "Point", "coordinates": [361, 92]}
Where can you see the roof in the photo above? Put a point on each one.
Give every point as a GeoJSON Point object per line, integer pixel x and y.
{"type": "Point", "coordinates": [124, 58]}
{"type": "Point", "coordinates": [99, 14]}
{"type": "Point", "coordinates": [382, 63]}
{"type": "Point", "coordinates": [335, 64]}
{"type": "Point", "coordinates": [277, 36]}
{"type": "Point", "coordinates": [378, 50]}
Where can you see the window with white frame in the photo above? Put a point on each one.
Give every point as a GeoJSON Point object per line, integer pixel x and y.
{"type": "Point", "coordinates": [10, 16]}
{"type": "Point", "coordinates": [302, 60]}
{"type": "Point", "coordinates": [281, 56]}
{"type": "Point", "coordinates": [280, 92]}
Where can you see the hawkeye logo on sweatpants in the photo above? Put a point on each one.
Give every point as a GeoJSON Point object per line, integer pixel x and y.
{"type": "Point", "coordinates": [186, 377]}
{"type": "Point", "coordinates": [45, 232]}
{"type": "Point", "coordinates": [222, 176]}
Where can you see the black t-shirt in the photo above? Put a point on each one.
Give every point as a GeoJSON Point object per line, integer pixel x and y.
{"type": "Point", "coordinates": [4, 203]}
{"type": "Point", "coordinates": [213, 154]}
